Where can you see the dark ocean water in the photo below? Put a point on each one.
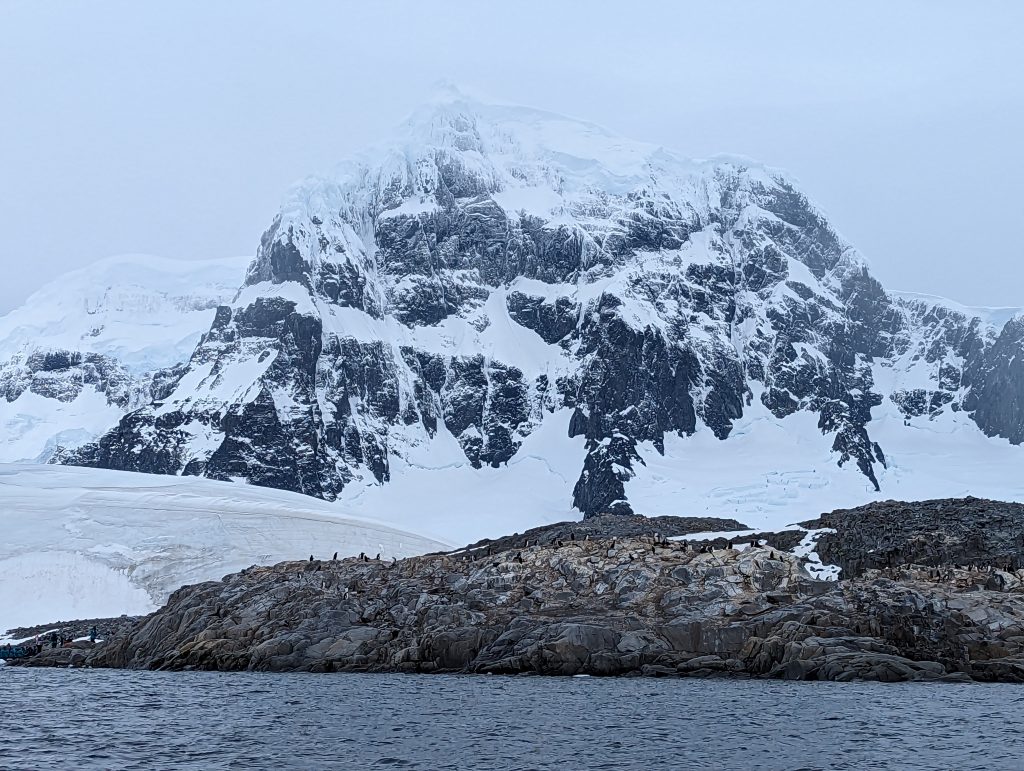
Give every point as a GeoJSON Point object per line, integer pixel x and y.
{"type": "Point", "coordinates": [93, 719]}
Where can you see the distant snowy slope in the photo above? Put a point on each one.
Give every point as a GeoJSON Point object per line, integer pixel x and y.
{"type": "Point", "coordinates": [80, 543]}
{"type": "Point", "coordinates": [147, 312]}
{"type": "Point", "coordinates": [87, 347]}
{"type": "Point", "coordinates": [996, 317]}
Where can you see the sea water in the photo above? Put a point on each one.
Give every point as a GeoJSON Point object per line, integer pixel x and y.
{"type": "Point", "coordinates": [99, 719]}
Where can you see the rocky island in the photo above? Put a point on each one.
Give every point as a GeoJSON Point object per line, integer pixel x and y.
{"type": "Point", "coordinates": [929, 591]}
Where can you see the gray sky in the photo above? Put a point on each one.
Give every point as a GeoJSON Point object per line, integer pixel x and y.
{"type": "Point", "coordinates": [174, 128]}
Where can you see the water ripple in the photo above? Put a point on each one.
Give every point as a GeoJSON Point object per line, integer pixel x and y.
{"type": "Point", "coordinates": [58, 719]}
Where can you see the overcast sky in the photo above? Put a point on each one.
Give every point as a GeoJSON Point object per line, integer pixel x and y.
{"type": "Point", "coordinates": [174, 128]}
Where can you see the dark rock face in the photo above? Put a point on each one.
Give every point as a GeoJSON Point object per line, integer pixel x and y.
{"type": "Point", "coordinates": [552, 321]}
{"type": "Point", "coordinates": [63, 374]}
{"type": "Point", "coordinates": [965, 532]}
{"type": "Point", "coordinates": [997, 396]}
{"type": "Point", "coordinates": [416, 296]}
{"type": "Point", "coordinates": [436, 613]}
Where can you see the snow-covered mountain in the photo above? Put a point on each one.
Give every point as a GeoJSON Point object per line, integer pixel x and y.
{"type": "Point", "coordinates": [501, 308]}
{"type": "Point", "coordinates": [85, 543]}
{"type": "Point", "coordinates": [95, 343]}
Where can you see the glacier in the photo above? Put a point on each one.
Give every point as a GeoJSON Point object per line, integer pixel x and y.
{"type": "Point", "coordinates": [88, 543]}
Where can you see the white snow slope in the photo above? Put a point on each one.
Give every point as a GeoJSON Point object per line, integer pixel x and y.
{"type": "Point", "coordinates": [86, 543]}
{"type": "Point", "coordinates": [769, 474]}
{"type": "Point", "coordinates": [774, 472]}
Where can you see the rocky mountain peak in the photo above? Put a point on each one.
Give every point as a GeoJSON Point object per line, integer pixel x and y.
{"type": "Point", "coordinates": [494, 278]}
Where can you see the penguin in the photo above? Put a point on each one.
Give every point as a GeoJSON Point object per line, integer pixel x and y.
{"type": "Point", "coordinates": [362, 556]}
{"type": "Point", "coordinates": [310, 557]}
{"type": "Point", "coordinates": [377, 557]}
{"type": "Point", "coordinates": [572, 536]}
{"type": "Point", "coordinates": [335, 557]}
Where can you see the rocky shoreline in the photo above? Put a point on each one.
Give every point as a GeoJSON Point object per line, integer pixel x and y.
{"type": "Point", "coordinates": [635, 605]}
{"type": "Point", "coordinates": [77, 647]}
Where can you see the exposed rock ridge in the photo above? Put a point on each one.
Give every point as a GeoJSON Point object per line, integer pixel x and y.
{"type": "Point", "coordinates": [958, 531]}
{"type": "Point", "coordinates": [606, 526]}
{"type": "Point", "coordinates": [635, 605]}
